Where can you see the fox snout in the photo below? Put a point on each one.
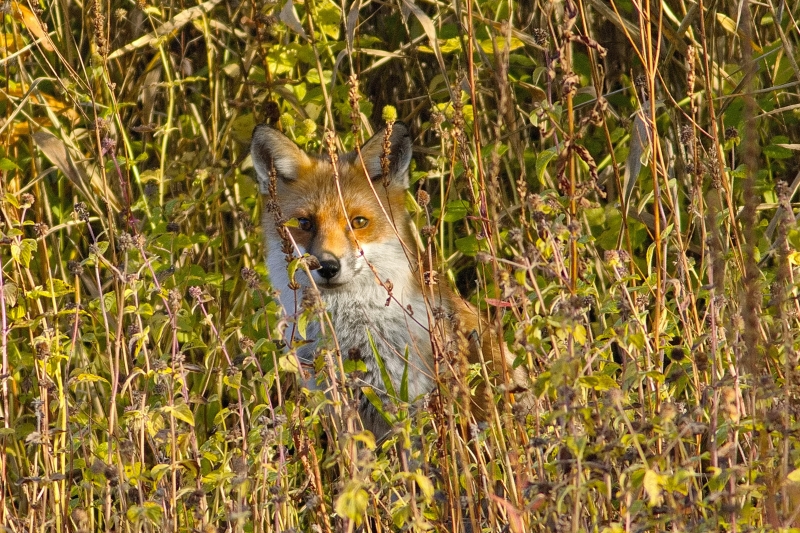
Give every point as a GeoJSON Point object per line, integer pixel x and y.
{"type": "Point", "coordinates": [328, 266]}
{"type": "Point", "coordinates": [333, 270]}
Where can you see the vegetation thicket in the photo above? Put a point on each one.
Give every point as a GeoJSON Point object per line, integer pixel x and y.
{"type": "Point", "coordinates": [612, 182]}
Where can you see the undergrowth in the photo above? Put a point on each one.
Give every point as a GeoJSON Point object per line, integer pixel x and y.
{"type": "Point", "coordinates": [647, 287]}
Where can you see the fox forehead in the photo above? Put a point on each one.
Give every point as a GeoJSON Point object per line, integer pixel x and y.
{"type": "Point", "coordinates": [314, 191]}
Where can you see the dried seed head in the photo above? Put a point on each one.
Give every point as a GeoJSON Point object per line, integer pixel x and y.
{"type": "Point", "coordinates": [687, 134]}
{"type": "Point", "coordinates": [250, 277]}
{"type": "Point", "coordinates": [42, 350]}
{"type": "Point", "coordinates": [353, 98]}
{"type": "Point", "coordinates": [125, 241]}
{"type": "Point", "coordinates": [41, 229]}
{"type": "Point", "coordinates": [174, 299]}
{"type": "Point", "coordinates": [541, 36]}
{"type": "Point", "coordinates": [483, 257]}
{"type": "Point", "coordinates": [431, 277]}
{"type": "Point", "coordinates": [312, 301]}
{"type": "Point", "coordinates": [75, 267]}
{"type": "Point", "coordinates": [428, 231]}
{"type": "Point", "coordinates": [82, 212]}
{"type": "Point", "coordinates": [423, 198]}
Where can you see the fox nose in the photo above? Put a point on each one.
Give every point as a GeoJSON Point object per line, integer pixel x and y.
{"type": "Point", "coordinates": [328, 267]}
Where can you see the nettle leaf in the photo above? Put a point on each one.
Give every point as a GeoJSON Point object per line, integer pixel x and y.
{"type": "Point", "coordinates": [779, 148]}
{"type": "Point", "coordinates": [329, 18]}
{"type": "Point", "coordinates": [542, 160]}
{"type": "Point", "coordinates": [11, 199]}
{"type": "Point", "coordinates": [598, 382]}
{"type": "Point", "coordinates": [652, 486]}
{"type": "Point", "coordinates": [352, 502]}
{"type": "Point", "coordinates": [89, 378]}
{"type": "Point", "coordinates": [470, 245]}
{"type": "Point", "coordinates": [488, 45]}
{"type": "Point", "coordinates": [453, 211]}
{"type": "Point", "coordinates": [10, 292]}
{"type": "Point", "coordinates": [158, 471]}
{"type": "Point", "coordinates": [353, 365]}
{"type": "Point", "coordinates": [180, 411]}
{"type": "Point", "coordinates": [7, 164]}
{"type": "Point", "coordinates": [147, 512]}
{"type": "Point", "coordinates": [22, 252]}
{"type": "Point", "coordinates": [233, 381]}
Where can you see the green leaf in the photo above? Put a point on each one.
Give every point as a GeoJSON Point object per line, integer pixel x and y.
{"type": "Point", "coordinates": [233, 381]}
{"type": "Point", "coordinates": [288, 363]}
{"type": "Point", "coordinates": [329, 18]}
{"type": "Point", "coordinates": [89, 378]}
{"type": "Point", "coordinates": [376, 402]}
{"type": "Point", "coordinates": [11, 199]}
{"type": "Point", "coordinates": [542, 160]}
{"type": "Point", "coordinates": [302, 323]}
{"type": "Point", "coordinates": [158, 471]}
{"type": "Point", "coordinates": [7, 164]}
{"type": "Point", "coordinates": [295, 263]}
{"type": "Point", "coordinates": [102, 246]}
{"type": "Point", "coordinates": [470, 245]}
{"type": "Point", "coordinates": [22, 252]}
{"type": "Point", "coordinates": [10, 293]}
{"type": "Point", "coordinates": [147, 512]}
{"type": "Point", "coordinates": [387, 380]}
{"type": "Point", "coordinates": [776, 151]}
{"type": "Point", "coordinates": [404, 380]}
{"type": "Point", "coordinates": [352, 365]}
{"type": "Point", "coordinates": [454, 211]}
{"type": "Point", "coordinates": [365, 437]}
{"type": "Point", "coordinates": [352, 502]}
{"type": "Point", "coordinates": [488, 47]}
{"type": "Point", "coordinates": [180, 411]}
{"type": "Point", "coordinates": [598, 382]}
{"type": "Point", "coordinates": [652, 486]}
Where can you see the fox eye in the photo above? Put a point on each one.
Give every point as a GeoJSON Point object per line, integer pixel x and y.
{"type": "Point", "coordinates": [304, 223]}
{"type": "Point", "coordinates": [359, 222]}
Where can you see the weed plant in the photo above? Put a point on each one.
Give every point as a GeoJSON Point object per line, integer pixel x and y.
{"type": "Point", "coordinates": [612, 182]}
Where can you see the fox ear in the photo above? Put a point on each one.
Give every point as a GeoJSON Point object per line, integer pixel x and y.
{"type": "Point", "coordinates": [399, 153]}
{"type": "Point", "coordinates": [269, 148]}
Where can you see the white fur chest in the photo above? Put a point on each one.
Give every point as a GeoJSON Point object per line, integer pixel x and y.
{"type": "Point", "coordinates": [399, 330]}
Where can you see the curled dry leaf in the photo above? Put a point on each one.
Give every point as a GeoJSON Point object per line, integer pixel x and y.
{"type": "Point", "coordinates": [32, 24]}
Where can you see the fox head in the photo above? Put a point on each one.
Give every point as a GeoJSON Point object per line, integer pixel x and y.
{"type": "Point", "coordinates": [351, 217]}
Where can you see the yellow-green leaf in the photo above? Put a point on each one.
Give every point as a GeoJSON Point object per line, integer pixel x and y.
{"type": "Point", "coordinates": [652, 486]}
{"type": "Point", "coordinates": [182, 412]}
{"type": "Point", "coordinates": [599, 382]}
{"type": "Point", "coordinates": [352, 502]}
{"type": "Point", "coordinates": [488, 47]}
{"type": "Point", "coordinates": [89, 378]}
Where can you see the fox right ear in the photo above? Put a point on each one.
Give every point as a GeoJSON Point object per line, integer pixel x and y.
{"type": "Point", "coordinates": [399, 146]}
{"type": "Point", "coordinates": [271, 148]}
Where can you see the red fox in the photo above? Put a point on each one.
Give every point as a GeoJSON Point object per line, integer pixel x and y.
{"type": "Point", "coordinates": [350, 215]}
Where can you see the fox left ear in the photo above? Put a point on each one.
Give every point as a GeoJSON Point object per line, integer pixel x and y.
{"type": "Point", "coordinates": [269, 148]}
{"type": "Point", "coordinates": [399, 153]}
